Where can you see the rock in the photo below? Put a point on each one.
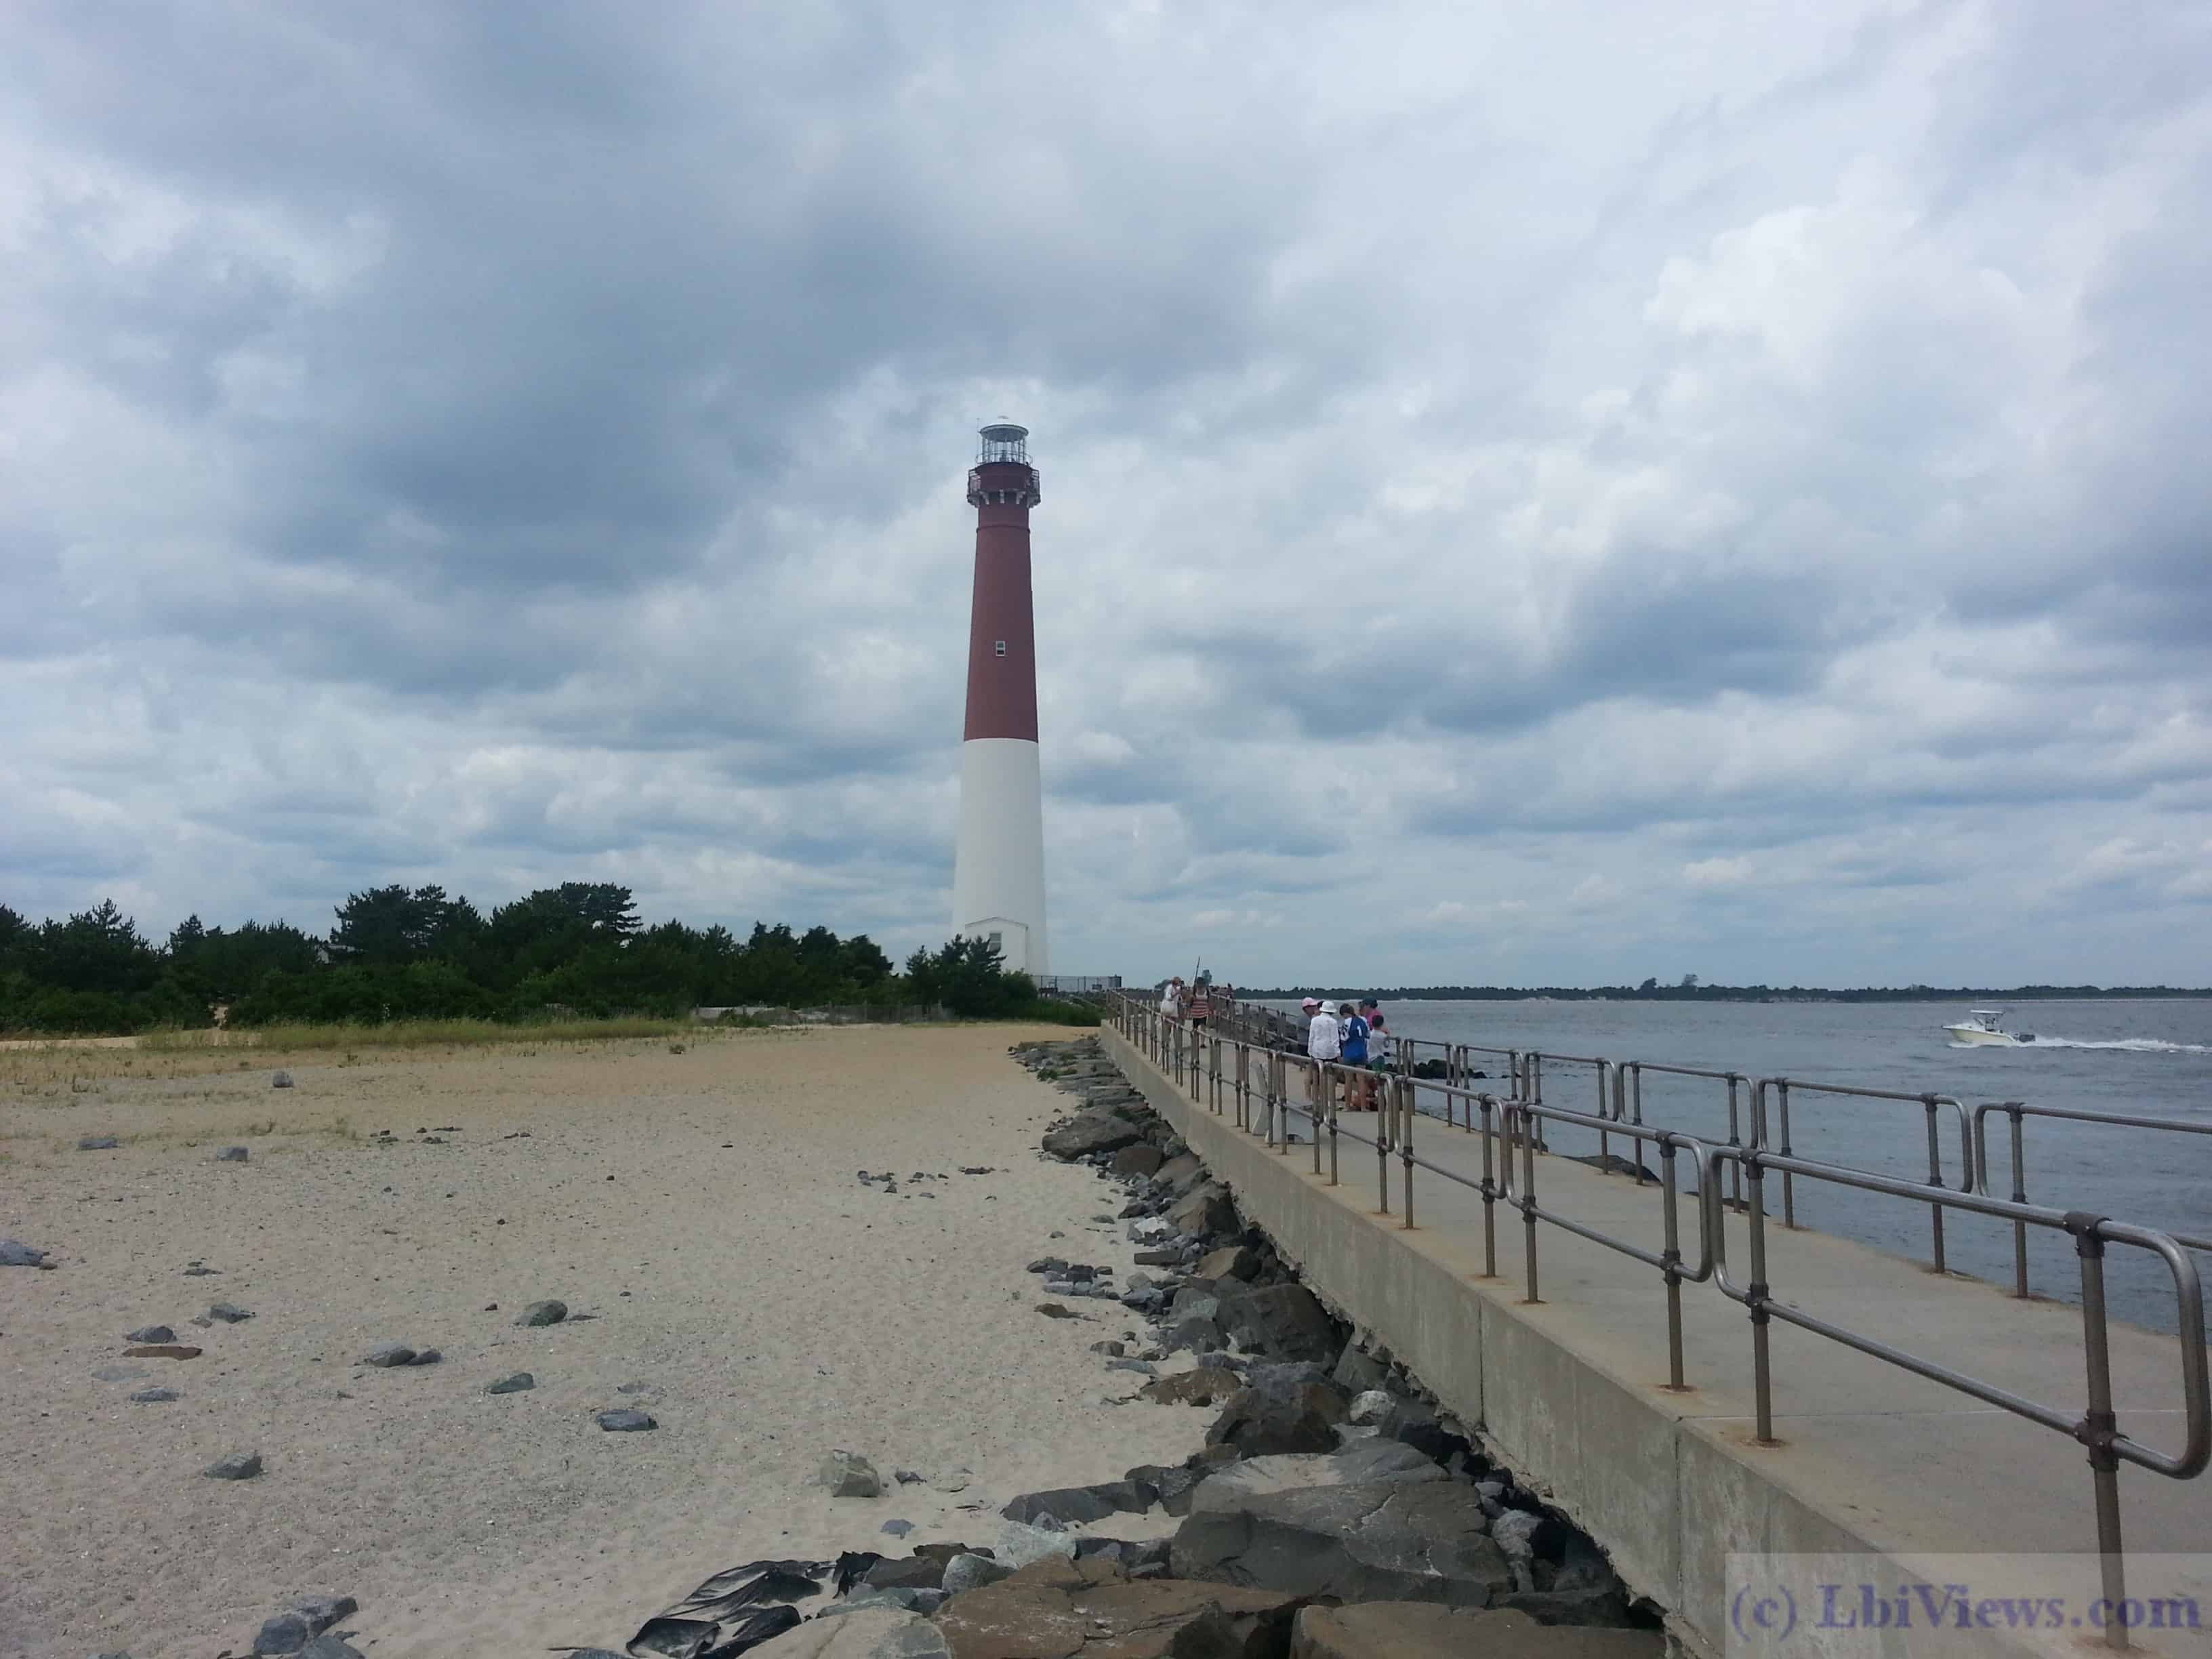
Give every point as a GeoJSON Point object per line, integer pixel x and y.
{"type": "Point", "coordinates": [1369, 1462]}
{"type": "Point", "coordinates": [97, 1144]}
{"type": "Point", "coordinates": [155, 1397]}
{"type": "Point", "coordinates": [1197, 1334]}
{"type": "Point", "coordinates": [915, 1572]}
{"type": "Point", "coordinates": [290, 1630]}
{"type": "Point", "coordinates": [1116, 1349]}
{"type": "Point", "coordinates": [231, 1155]}
{"type": "Point", "coordinates": [1172, 1175]}
{"type": "Point", "coordinates": [1283, 1322]}
{"type": "Point", "coordinates": [238, 1466]}
{"type": "Point", "coordinates": [1140, 1159]}
{"type": "Point", "coordinates": [1360, 1372]}
{"type": "Point", "coordinates": [906, 1477]}
{"type": "Point", "coordinates": [848, 1474]}
{"type": "Point", "coordinates": [330, 1647]}
{"type": "Point", "coordinates": [281, 1080]}
{"type": "Point", "coordinates": [625, 1422]}
{"type": "Point", "coordinates": [1230, 1261]}
{"type": "Point", "coordinates": [884, 1632]}
{"type": "Point", "coordinates": [230, 1313]}
{"type": "Point", "coordinates": [1171, 1488]}
{"type": "Point", "coordinates": [542, 1313]}
{"type": "Point", "coordinates": [1019, 1545]}
{"type": "Point", "coordinates": [972, 1571]}
{"type": "Point", "coordinates": [1278, 1413]}
{"type": "Point", "coordinates": [151, 1333]}
{"type": "Point", "coordinates": [1162, 1256]}
{"type": "Point", "coordinates": [1417, 1630]}
{"type": "Point", "coordinates": [1142, 1367]}
{"type": "Point", "coordinates": [1054, 1310]}
{"type": "Point", "coordinates": [1050, 1266]}
{"type": "Point", "coordinates": [898, 1529]}
{"type": "Point", "coordinates": [390, 1355]}
{"type": "Point", "coordinates": [520, 1382]}
{"type": "Point", "coordinates": [1098, 1130]}
{"type": "Point", "coordinates": [1370, 1408]}
{"type": "Point", "coordinates": [1058, 1609]}
{"type": "Point", "coordinates": [118, 1373]}
{"type": "Point", "coordinates": [426, 1356]}
{"type": "Point", "coordinates": [1375, 1541]}
{"type": "Point", "coordinates": [1516, 1532]}
{"type": "Point", "coordinates": [15, 1253]}
{"type": "Point", "coordinates": [1065, 1504]}
{"type": "Point", "coordinates": [1204, 1211]}
{"type": "Point", "coordinates": [1208, 1385]}
{"type": "Point", "coordinates": [161, 1350]}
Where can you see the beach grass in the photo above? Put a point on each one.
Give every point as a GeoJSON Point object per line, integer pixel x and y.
{"type": "Point", "coordinates": [417, 1033]}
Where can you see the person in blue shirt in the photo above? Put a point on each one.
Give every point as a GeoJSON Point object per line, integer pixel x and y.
{"type": "Point", "coordinates": [1352, 1046]}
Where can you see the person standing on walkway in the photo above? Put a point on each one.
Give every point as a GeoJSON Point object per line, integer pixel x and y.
{"type": "Point", "coordinates": [1378, 1035]}
{"type": "Point", "coordinates": [1322, 1046]}
{"type": "Point", "coordinates": [1352, 1045]}
{"type": "Point", "coordinates": [1200, 1008]}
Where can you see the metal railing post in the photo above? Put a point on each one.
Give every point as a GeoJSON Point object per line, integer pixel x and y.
{"type": "Point", "coordinates": [1402, 1087]}
{"type": "Point", "coordinates": [2019, 1197]}
{"type": "Point", "coordinates": [1936, 1177]}
{"type": "Point", "coordinates": [2099, 1427]}
{"type": "Point", "coordinates": [1736, 1145]}
{"type": "Point", "coordinates": [1382, 1116]}
{"type": "Point", "coordinates": [1325, 1101]}
{"type": "Point", "coordinates": [1762, 1376]}
{"type": "Point", "coordinates": [1671, 1254]}
{"type": "Point", "coordinates": [1528, 1194]}
{"type": "Point", "coordinates": [1487, 1103]}
{"type": "Point", "coordinates": [1604, 1141]}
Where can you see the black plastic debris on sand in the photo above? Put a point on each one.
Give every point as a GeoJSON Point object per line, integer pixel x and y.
{"type": "Point", "coordinates": [736, 1610]}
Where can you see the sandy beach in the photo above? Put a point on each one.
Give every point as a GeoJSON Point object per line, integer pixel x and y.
{"type": "Point", "coordinates": [702, 1208]}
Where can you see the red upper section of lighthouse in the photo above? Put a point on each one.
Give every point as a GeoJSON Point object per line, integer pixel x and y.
{"type": "Point", "coordinates": [1001, 629]}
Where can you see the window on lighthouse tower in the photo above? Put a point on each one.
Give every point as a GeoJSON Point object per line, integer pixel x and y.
{"type": "Point", "coordinates": [999, 649]}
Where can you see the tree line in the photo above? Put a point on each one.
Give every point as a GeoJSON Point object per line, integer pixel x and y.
{"type": "Point", "coordinates": [396, 952]}
{"type": "Point", "coordinates": [1652, 991]}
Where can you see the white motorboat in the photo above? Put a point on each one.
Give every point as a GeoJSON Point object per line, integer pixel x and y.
{"type": "Point", "coordinates": [1984, 1026]}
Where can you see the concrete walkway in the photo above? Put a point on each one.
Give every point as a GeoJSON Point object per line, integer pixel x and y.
{"type": "Point", "coordinates": [1571, 1392]}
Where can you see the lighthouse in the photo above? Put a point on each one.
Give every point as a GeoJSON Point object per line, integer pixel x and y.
{"type": "Point", "coordinates": [998, 865]}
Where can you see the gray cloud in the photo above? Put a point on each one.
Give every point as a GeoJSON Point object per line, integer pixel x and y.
{"type": "Point", "coordinates": [1516, 499]}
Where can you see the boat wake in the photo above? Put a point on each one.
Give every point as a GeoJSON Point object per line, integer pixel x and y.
{"type": "Point", "coordinates": [2130, 1045]}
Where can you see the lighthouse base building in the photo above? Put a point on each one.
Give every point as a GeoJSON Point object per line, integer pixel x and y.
{"type": "Point", "coordinates": [998, 866]}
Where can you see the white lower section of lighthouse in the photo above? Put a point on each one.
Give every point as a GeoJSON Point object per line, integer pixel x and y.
{"type": "Point", "coordinates": [998, 864]}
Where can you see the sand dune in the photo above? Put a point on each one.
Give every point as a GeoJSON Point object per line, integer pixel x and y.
{"type": "Point", "coordinates": [702, 1207]}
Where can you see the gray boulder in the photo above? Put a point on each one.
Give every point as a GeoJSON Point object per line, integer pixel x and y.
{"type": "Point", "coordinates": [880, 1631]}
{"type": "Point", "coordinates": [1138, 1159]}
{"type": "Point", "coordinates": [972, 1571]}
{"type": "Point", "coordinates": [281, 1080]}
{"type": "Point", "coordinates": [97, 1144]}
{"type": "Point", "coordinates": [626, 1422]}
{"type": "Point", "coordinates": [229, 1312]}
{"type": "Point", "coordinates": [1204, 1211]}
{"type": "Point", "coordinates": [151, 1333]}
{"type": "Point", "coordinates": [914, 1573]}
{"type": "Point", "coordinates": [237, 1466]}
{"type": "Point", "coordinates": [290, 1630]}
{"type": "Point", "coordinates": [328, 1646]}
{"type": "Point", "coordinates": [542, 1313]}
{"type": "Point", "coordinates": [231, 1155]}
{"type": "Point", "coordinates": [15, 1253]}
{"type": "Point", "coordinates": [1230, 1261]}
{"type": "Point", "coordinates": [1171, 1486]}
{"type": "Point", "coordinates": [389, 1356]}
{"type": "Point", "coordinates": [1415, 1630]}
{"type": "Point", "coordinates": [1098, 1130]}
{"type": "Point", "coordinates": [1359, 1372]}
{"type": "Point", "coordinates": [848, 1474]}
{"type": "Point", "coordinates": [1197, 1334]}
{"type": "Point", "coordinates": [520, 1382]}
{"type": "Point", "coordinates": [1381, 1541]}
{"type": "Point", "coordinates": [1073, 1505]}
{"type": "Point", "coordinates": [1208, 1385]}
{"type": "Point", "coordinates": [1368, 1461]}
{"type": "Point", "coordinates": [1280, 1409]}
{"type": "Point", "coordinates": [155, 1397]}
{"type": "Point", "coordinates": [1283, 1322]}
{"type": "Point", "coordinates": [1058, 1609]}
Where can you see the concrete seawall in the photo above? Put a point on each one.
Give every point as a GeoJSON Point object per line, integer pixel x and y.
{"type": "Point", "coordinates": [1875, 1461]}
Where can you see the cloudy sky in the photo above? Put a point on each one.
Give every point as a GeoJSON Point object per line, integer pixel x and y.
{"type": "Point", "coordinates": [1532, 493]}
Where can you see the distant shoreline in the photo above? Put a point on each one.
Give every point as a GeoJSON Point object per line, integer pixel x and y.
{"type": "Point", "coordinates": [1764, 993]}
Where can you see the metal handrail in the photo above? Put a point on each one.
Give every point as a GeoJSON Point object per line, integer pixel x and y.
{"type": "Point", "coordinates": [1929, 1102]}
{"type": "Point", "coordinates": [2016, 1110]}
{"type": "Point", "coordinates": [2096, 1427]}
